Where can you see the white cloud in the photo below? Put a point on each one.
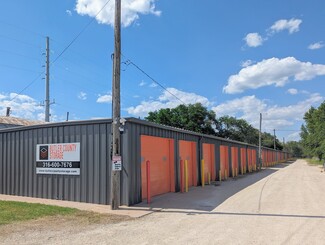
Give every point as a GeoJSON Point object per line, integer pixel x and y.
{"type": "Point", "coordinates": [142, 83]}
{"type": "Point", "coordinates": [131, 9]}
{"type": "Point", "coordinates": [292, 91]}
{"type": "Point", "coordinates": [253, 39]}
{"type": "Point", "coordinates": [153, 85]}
{"type": "Point", "coordinates": [291, 25]}
{"type": "Point", "coordinates": [107, 98]}
{"type": "Point", "coordinates": [246, 63]}
{"type": "Point", "coordinates": [274, 116]}
{"type": "Point", "coordinates": [53, 116]}
{"type": "Point", "coordinates": [167, 100]}
{"type": "Point", "coordinates": [68, 12]}
{"type": "Point", "coordinates": [247, 107]}
{"type": "Point", "coordinates": [317, 45]}
{"type": "Point", "coordinates": [22, 106]}
{"type": "Point", "coordinates": [304, 92]}
{"type": "Point", "coordinates": [293, 137]}
{"type": "Point", "coordinates": [272, 71]}
{"type": "Point", "coordinates": [82, 96]}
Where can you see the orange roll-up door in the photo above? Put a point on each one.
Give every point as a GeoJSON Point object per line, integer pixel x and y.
{"type": "Point", "coordinates": [187, 151]}
{"type": "Point", "coordinates": [243, 158]}
{"type": "Point", "coordinates": [224, 161]}
{"type": "Point", "coordinates": [234, 160]}
{"type": "Point", "coordinates": [160, 153]}
{"type": "Point", "coordinates": [209, 160]}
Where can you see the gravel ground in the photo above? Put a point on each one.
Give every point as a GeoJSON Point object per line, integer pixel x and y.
{"type": "Point", "coordinates": [285, 206]}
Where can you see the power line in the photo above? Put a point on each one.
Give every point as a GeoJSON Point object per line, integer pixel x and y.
{"type": "Point", "coordinates": [71, 69]}
{"type": "Point", "coordinates": [30, 84]}
{"type": "Point", "coordinates": [293, 130]}
{"type": "Point", "coordinates": [77, 36]}
{"type": "Point", "coordinates": [65, 49]}
{"type": "Point", "coordinates": [22, 28]}
{"type": "Point", "coordinates": [18, 54]}
{"type": "Point", "coordinates": [80, 55]}
{"type": "Point", "coordinates": [129, 62]}
{"type": "Point", "coordinates": [67, 81]}
{"type": "Point", "coordinates": [18, 68]}
{"type": "Point", "coordinates": [19, 41]}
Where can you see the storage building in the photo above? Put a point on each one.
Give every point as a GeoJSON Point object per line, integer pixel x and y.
{"type": "Point", "coordinates": [72, 160]}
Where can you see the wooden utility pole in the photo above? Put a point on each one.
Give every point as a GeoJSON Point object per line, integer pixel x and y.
{"type": "Point", "coordinates": [115, 176]}
{"type": "Point", "coordinates": [47, 80]}
{"type": "Point", "coordinates": [274, 138]}
{"type": "Point", "coordinates": [260, 144]}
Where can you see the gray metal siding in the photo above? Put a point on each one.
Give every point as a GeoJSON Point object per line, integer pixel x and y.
{"type": "Point", "coordinates": [18, 162]}
{"type": "Point", "coordinates": [131, 183]}
{"type": "Point", "coordinates": [132, 157]}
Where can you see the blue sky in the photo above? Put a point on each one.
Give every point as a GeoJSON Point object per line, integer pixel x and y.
{"type": "Point", "coordinates": [236, 57]}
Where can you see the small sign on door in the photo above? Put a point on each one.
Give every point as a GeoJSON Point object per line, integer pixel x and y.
{"type": "Point", "coordinates": [117, 163]}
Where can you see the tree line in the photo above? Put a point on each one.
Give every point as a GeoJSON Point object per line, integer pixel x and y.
{"type": "Point", "coordinates": [197, 118]}
{"type": "Point", "coordinates": [313, 133]}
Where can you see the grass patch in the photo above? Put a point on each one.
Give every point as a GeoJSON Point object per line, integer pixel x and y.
{"type": "Point", "coordinates": [11, 212]}
{"type": "Point", "coordinates": [314, 161]}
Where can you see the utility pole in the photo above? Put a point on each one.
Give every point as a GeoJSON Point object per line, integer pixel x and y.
{"type": "Point", "coordinates": [283, 143]}
{"type": "Point", "coordinates": [8, 112]}
{"type": "Point", "coordinates": [47, 84]}
{"type": "Point", "coordinates": [115, 176]}
{"type": "Point", "coordinates": [260, 144]}
{"type": "Point", "coordinates": [274, 138]}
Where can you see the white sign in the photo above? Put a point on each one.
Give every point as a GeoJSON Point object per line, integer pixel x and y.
{"type": "Point", "coordinates": [58, 152]}
{"type": "Point", "coordinates": [61, 159]}
{"type": "Point", "coordinates": [117, 163]}
{"type": "Point", "coordinates": [62, 171]}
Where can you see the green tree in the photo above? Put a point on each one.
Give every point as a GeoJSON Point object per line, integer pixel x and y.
{"type": "Point", "coordinates": [194, 117]}
{"type": "Point", "coordinates": [268, 141]}
{"type": "Point", "coordinates": [199, 119]}
{"type": "Point", "coordinates": [313, 132]}
{"type": "Point", "coordinates": [238, 129]}
{"type": "Point", "coordinates": [295, 148]}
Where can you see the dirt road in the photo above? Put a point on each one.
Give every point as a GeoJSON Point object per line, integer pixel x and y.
{"type": "Point", "coordinates": [282, 205]}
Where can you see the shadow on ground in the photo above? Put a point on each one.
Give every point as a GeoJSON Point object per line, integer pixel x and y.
{"type": "Point", "coordinates": [211, 196]}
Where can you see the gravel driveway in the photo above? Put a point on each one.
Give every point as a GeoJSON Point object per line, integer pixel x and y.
{"type": "Point", "coordinates": [282, 205]}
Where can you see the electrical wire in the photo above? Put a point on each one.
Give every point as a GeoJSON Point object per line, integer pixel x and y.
{"type": "Point", "coordinates": [19, 41]}
{"type": "Point", "coordinates": [18, 54]}
{"type": "Point", "coordinates": [80, 55]}
{"type": "Point", "coordinates": [18, 68]}
{"type": "Point", "coordinates": [22, 28]}
{"type": "Point", "coordinates": [30, 84]}
{"type": "Point", "coordinates": [71, 69]}
{"type": "Point", "coordinates": [64, 50]}
{"type": "Point", "coordinates": [292, 130]}
{"type": "Point", "coordinates": [78, 35]}
{"type": "Point", "coordinates": [129, 62]}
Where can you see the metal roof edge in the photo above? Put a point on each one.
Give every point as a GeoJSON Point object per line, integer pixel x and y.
{"type": "Point", "coordinates": [148, 123]}
{"type": "Point", "coordinates": [128, 119]}
{"type": "Point", "coordinates": [144, 122]}
{"type": "Point", "coordinates": [57, 124]}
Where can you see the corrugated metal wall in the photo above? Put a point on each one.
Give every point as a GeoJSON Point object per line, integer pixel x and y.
{"type": "Point", "coordinates": [134, 128]}
{"type": "Point", "coordinates": [131, 176]}
{"type": "Point", "coordinates": [18, 164]}
{"type": "Point", "coordinates": [18, 159]}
